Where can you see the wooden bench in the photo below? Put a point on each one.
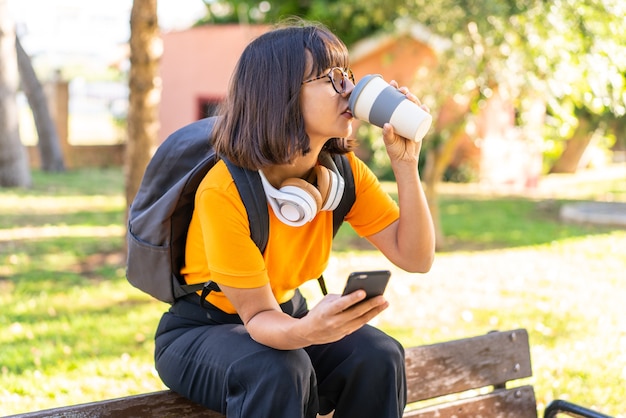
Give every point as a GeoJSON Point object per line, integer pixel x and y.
{"type": "Point", "coordinates": [471, 377]}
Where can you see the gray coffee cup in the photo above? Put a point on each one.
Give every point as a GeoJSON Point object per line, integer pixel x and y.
{"type": "Point", "coordinates": [377, 102]}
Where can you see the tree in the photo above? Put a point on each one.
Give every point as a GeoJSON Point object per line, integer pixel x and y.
{"type": "Point", "coordinates": [14, 164]}
{"type": "Point", "coordinates": [570, 53]}
{"type": "Point", "coordinates": [144, 96]}
{"type": "Point", "coordinates": [586, 86]}
{"type": "Point", "coordinates": [49, 144]}
{"type": "Point", "coordinates": [351, 20]}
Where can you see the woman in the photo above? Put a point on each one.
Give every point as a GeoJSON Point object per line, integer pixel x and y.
{"type": "Point", "coordinates": [257, 350]}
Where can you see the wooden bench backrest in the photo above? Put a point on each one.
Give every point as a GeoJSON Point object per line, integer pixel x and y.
{"type": "Point", "coordinates": [433, 371]}
{"type": "Point", "coordinates": [481, 362]}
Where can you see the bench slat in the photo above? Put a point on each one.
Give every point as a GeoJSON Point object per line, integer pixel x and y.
{"type": "Point", "coordinates": [470, 363]}
{"type": "Point", "coordinates": [505, 403]}
{"type": "Point", "coordinates": [163, 404]}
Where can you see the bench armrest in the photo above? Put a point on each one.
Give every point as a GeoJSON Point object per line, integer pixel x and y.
{"type": "Point", "coordinates": [570, 409]}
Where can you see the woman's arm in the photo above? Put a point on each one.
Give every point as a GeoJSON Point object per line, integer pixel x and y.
{"type": "Point", "coordinates": [330, 320]}
{"type": "Point", "coordinates": [409, 242]}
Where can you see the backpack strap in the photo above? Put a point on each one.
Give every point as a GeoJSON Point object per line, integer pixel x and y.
{"type": "Point", "coordinates": [347, 200]}
{"type": "Point", "coordinates": [349, 192]}
{"type": "Point", "coordinates": [252, 195]}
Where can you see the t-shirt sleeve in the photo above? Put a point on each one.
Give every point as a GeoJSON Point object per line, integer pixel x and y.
{"type": "Point", "coordinates": [373, 209]}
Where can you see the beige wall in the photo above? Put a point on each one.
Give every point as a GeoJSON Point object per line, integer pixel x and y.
{"type": "Point", "coordinates": [395, 59]}
{"type": "Point", "coordinates": [74, 156]}
{"type": "Point", "coordinates": [197, 63]}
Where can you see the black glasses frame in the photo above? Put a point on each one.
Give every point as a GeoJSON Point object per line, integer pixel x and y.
{"type": "Point", "coordinates": [345, 76]}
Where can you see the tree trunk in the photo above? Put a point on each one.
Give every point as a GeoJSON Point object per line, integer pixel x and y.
{"type": "Point", "coordinates": [430, 181]}
{"type": "Point", "coordinates": [437, 160]}
{"type": "Point", "coordinates": [14, 163]}
{"type": "Point", "coordinates": [575, 147]}
{"type": "Point", "coordinates": [145, 93]}
{"type": "Point", "coordinates": [49, 145]}
{"type": "Point", "coordinates": [617, 126]}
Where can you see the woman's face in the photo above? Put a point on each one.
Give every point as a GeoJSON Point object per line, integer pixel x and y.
{"type": "Point", "coordinates": [326, 113]}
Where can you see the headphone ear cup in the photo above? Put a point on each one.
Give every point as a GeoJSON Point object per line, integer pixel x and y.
{"type": "Point", "coordinates": [335, 191]}
{"type": "Point", "coordinates": [323, 180]}
{"type": "Point", "coordinates": [304, 190]}
{"type": "Point", "coordinates": [336, 183]}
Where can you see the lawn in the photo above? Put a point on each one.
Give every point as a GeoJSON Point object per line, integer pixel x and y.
{"type": "Point", "coordinates": [73, 330]}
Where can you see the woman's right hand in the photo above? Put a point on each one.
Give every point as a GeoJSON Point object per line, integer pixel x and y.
{"type": "Point", "coordinates": [336, 316]}
{"type": "Point", "coordinates": [330, 320]}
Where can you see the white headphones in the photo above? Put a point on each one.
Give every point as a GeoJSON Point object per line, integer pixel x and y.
{"type": "Point", "coordinates": [298, 201]}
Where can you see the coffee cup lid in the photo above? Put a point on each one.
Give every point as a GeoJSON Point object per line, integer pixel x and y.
{"type": "Point", "coordinates": [359, 88]}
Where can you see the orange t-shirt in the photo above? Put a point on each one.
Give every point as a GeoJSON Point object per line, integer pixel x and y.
{"type": "Point", "coordinates": [219, 247]}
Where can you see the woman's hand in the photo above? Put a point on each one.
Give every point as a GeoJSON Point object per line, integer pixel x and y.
{"type": "Point", "coordinates": [398, 147]}
{"type": "Point", "coordinates": [330, 320]}
{"type": "Point", "coordinates": [336, 316]}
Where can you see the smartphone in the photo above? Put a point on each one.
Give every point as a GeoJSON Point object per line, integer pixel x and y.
{"type": "Point", "coordinates": [373, 282]}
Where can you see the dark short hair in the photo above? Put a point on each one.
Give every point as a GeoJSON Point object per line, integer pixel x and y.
{"type": "Point", "coordinates": [261, 121]}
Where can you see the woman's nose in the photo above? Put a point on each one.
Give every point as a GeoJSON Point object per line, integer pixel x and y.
{"type": "Point", "coordinates": [349, 87]}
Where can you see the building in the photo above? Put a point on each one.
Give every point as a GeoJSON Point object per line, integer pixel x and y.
{"type": "Point", "coordinates": [195, 70]}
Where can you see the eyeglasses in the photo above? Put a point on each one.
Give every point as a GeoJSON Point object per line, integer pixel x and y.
{"type": "Point", "coordinates": [338, 77]}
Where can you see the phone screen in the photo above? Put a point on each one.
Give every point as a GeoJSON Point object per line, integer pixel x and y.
{"type": "Point", "coordinates": [373, 282]}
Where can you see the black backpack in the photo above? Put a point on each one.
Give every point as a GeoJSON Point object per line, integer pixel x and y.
{"type": "Point", "coordinates": [160, 214]}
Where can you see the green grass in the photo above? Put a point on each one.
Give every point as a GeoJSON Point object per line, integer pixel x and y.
{"type": "Point", "coordinates": [477, 222]}
{"type": "Point", "coordinates": [506, 223]}
{"type": "Point", "coordinates": [73, 330]}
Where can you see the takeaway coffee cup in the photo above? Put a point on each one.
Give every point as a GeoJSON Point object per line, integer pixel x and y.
{"type": "Point", "coordinates": [377, 102]}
